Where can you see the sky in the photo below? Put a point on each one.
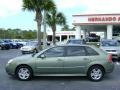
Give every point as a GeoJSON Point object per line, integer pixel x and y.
{"type": "Point", "coordinates": [12, 15]}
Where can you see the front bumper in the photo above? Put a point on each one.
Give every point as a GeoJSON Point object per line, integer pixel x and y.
{"type": "Point", "coordinates": [27, 52]}
{"type": "Point", "coordinates": [9, 70]}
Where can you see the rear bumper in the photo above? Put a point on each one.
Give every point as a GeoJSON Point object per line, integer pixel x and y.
{"type": "Point", "coordinates": [109, 67]}
{"type": "Point", "coordinates": [115, 55]}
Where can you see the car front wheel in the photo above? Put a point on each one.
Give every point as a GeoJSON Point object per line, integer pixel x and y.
{"type": "Point", "coordinates": [95, 73]}
{"type": "Point", "coordinates": [24, 73]}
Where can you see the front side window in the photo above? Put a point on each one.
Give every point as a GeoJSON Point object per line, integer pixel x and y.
{"type": "Point", "coordinates": [76, 51]}
{"type": "Point", "coordinates": [55, 52]}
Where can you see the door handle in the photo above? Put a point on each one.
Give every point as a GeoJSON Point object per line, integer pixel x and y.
{"type": "Point", "coordinates": [59, 60]}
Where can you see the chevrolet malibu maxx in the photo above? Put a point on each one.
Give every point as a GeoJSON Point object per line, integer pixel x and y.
{"type": "Point", "coordinates": [65, 60]}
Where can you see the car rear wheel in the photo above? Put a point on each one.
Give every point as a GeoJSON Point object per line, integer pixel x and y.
{"type": "Point", "coordinates": [95, 73]}
{"type": "Point", "coordinates": [24, 73]}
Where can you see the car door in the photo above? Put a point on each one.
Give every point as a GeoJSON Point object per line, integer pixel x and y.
{"type": "Point", "coordinates": [76, 60]}
{"type": "Point", "coordinates": [50, 61]}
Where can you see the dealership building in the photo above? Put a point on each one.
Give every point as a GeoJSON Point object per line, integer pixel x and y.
{"type": "Point", "coordinates": [62, 35]}
{"type": "Point", "coordinates": [108, 24]}
{"type": "Point", "coordinates": [104, 25]}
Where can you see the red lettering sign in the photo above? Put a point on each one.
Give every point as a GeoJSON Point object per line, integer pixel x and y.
{"type": "Point", "coordinates": [98, 19]}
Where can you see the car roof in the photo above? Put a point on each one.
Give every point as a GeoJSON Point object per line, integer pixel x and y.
{"type": "Point", "coordinates": [75, 45]}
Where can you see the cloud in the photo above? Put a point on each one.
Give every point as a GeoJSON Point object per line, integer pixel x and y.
{"type": "Point", "coordinates": [10, 7]}
{"type": "Point", "coordinates": [66, 4]}
{"type": "Point", "coordinates": [92, 6]}
{"type": "Point", "coordinates": [102, 6]}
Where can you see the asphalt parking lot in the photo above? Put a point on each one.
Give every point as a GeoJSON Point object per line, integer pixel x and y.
{"type": "Point", "coordinates": [110, 81]}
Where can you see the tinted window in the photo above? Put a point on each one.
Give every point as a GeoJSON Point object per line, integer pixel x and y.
{"type": "Point", "coordinates": [76, 51]}
{"type": "Point", "coordinates": [54, 52]}
{"type": "Point", "coordinates": [91, 51]}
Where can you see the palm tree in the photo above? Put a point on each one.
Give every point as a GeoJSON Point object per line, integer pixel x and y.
{"type": "Point", "coordinates": [65, 28]}
{"type": "Point", "coordinates": [53, 19]}
{"type": "Point", "coordinates": [38, 6]}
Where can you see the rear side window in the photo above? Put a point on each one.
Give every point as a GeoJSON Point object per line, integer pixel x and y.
{"type": "Point", "coordinates": [90, 51]}
{"type": "Point", "coordinates": [76, 51]}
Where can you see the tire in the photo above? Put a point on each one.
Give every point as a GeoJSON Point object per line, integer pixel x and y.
{"type": "Point", "coordinates": [2, 48]}
{"type": "Point", "coordinates": [35, 51]}
{"type": "Point", "coordinates": [23, 53]}
{"type": "Point", "coordinates": [7, 48]}
{"type": "Point", "coordinates": [24, 73]}
{"type": "Point", "coordinates": [95, 73]}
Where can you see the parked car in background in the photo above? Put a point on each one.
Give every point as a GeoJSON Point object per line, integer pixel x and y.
{"type": "Point", "coordinates": [30, 47]}
{"type": "Point", "coordinates": [111, 46]}
{"type": "Point", "coordinates": [93, 38]}
{"type": "Point", "coordinates": [1, 45]}
{"type": "Point", "coordinates": [76, 41]}
{"type": "Point", "coordinates": [20, 42]}
{"type": "Point", "coordinates": [13, 45]}
{"type": "Point", "coordinates": [4, 45]}
{"type": "Point", "coordinates": [65, 60]}
{"type": "Point", "coordinates": [116, 36]}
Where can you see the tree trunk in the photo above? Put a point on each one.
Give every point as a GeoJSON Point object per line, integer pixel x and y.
{"type": "Point", "coordinates": [39, 20]}
{"type": "Point", "coordinates": [54, 35]}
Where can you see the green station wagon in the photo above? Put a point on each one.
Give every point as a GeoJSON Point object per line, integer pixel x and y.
{"type": "Point", "coordinates": [65, 60]}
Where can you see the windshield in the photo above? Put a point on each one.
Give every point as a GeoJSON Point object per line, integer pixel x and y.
{"type": "Point", "coordinates": [109, 43]}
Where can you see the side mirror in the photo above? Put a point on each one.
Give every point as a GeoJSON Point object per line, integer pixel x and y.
{"type": "Point", "coordinates": [42, 56]}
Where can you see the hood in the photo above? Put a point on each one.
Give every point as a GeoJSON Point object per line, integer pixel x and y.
{"type": "Point", "coordinates": [23, 57]}
{"type": "Point", "coordinates": [28, 46]}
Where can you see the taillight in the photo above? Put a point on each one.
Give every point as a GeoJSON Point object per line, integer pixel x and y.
{"type": "Point", "coordinates": [110, 57]}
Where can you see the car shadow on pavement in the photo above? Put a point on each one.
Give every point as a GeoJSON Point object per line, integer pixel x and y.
{"type": "Point", "coordinates": [60, 78]}
{"type": "Point", "coordinates": [55, 78]}
{"type": "Point", "coordinates": [64, 78]}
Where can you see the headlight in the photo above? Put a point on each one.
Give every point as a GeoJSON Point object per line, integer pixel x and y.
{"type": "Point", "coordinates": [10, 61]}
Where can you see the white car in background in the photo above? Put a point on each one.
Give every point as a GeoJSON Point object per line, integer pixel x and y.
{"type": "Point", "coordinates": [30, 47]}
{"type": "Point", "coordinates": [111, 46]}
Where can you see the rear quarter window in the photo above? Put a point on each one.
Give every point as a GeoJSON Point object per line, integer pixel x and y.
{"type": "Point", "coordinates": [91, 52]}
